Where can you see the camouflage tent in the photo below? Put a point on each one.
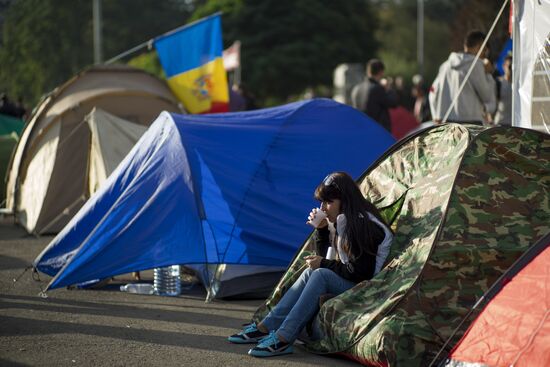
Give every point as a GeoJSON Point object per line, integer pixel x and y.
{"type": "Point", "coordinates": [465, 202]}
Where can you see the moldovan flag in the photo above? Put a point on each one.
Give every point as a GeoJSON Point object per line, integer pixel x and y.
{"type": "Point", "coordinates": [192, 60]}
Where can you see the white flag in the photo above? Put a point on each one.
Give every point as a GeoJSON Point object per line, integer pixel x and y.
{"type": "Point", "coordinates": [232, 56]}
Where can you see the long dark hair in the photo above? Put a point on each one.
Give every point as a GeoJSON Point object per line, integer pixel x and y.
{"type": "Point", "coordinates": [359, 233]}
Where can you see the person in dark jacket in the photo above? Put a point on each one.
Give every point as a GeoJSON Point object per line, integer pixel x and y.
{"type": "Point", "coordinates": [360, 244]}
{"type": "Point", "coordinates": [372, 98]}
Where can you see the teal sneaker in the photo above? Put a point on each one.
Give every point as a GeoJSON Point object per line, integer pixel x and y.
{"type": "Point", "coordinates": [271, 346]}
{"type": "Point", "coordinates": [250, 334]}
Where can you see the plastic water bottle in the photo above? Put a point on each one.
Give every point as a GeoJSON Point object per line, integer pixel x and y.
{"type": "Point", "coordinates": [139, 288]}
{"type": "Point", "coordinates": [167, 281]}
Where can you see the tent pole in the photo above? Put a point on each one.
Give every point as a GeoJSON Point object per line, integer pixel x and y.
{"type": "Point", "coordinates": [98, 39]}
{"type": "Point", "coordinates": [420, 37]}
{"type": "Point", "coordinates": [453, 104]}
{"type": "Point", "coordinates": [149, 43]}
{"type": "Point", "coordinates": [130, 51]}
{"type": "Point", "coordinates": [209, 294]}
{"type": "Point", "coordinates": [515, 57]}
{"type": "Point", "coordinates": [80, 200]}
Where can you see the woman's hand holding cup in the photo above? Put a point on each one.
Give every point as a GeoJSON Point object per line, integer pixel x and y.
{"type": "Point", "coordinates": [317, 218]}
{"type": "Point", "coordinates": [313, 261]}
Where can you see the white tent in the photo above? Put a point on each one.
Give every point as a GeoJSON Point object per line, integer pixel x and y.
{"type": "Point", "coordinates": [531, 64]}
{"type": "Point", "coordinates": [48, 174]}
{"type": "Point", "coordinates": [111, 140]}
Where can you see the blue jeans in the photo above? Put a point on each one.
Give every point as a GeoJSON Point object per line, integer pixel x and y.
{"type": "Point", "coordinates": [301, 302]}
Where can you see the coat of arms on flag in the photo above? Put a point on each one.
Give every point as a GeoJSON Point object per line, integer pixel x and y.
{"type": "Point", "coordinates": [192, 60]}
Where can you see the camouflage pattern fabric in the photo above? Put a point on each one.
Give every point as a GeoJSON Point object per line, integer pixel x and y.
{"type": "Point", "coordinates": [389, 182]}
{"type": "Point", "coordinates": [424, 169]}
{"type": "Point", "coordinates": [499, 207]}
{"type": "Point", "coordinates": [475, 199]}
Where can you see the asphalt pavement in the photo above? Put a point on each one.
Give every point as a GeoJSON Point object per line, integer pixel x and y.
{"type": "Point", "coordinates": [107, 327]}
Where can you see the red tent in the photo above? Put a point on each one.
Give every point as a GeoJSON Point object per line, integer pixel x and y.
{"type": "Point", "coordinates": [514, 327]}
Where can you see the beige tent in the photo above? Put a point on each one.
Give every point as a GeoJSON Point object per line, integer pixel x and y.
{"type": "Point", "coordinates": [111, 140]}
{"type": "Point", "coordinates": [55, 165]}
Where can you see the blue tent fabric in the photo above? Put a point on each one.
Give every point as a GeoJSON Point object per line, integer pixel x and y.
{"type": "Point", "coordinates": [231, 188]}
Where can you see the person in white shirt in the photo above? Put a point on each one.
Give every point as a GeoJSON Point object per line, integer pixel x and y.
{"type": "Point", "coordinates": [362, 242]}
{"type": "Point", "coordinates": [477, 101]}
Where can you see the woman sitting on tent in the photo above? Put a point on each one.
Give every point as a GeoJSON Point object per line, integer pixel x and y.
{"type": "Point", "coordinates": [362, 242]}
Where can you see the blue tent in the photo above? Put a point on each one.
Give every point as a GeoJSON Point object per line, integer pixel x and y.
{"type": "Point", "coordinates": [230, 188]}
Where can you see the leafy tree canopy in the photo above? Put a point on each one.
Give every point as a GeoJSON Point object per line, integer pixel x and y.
{"type": "Point", "coordinates": [397, 36]}
{"type": "Point", "coordinates": [446, 22]}
{"type": "Point", "coordinates": [287, 46]}
{"type": "Point", "coordinates": [45, 42]}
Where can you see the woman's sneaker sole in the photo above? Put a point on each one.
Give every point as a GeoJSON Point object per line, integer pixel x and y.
{"type": "Point", "coordinates": [264, 353]}
{"type": "Point", "coordinates": [240, 340]}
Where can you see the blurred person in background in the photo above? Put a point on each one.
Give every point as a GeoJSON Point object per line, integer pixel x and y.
{"type": "Point", "coordinates": [374, 98]}
{"type": "Point", "coordinates": [404, 97]}
{"type": "Point", "coordinates": [7, 107]}
{"type": "Point", "coordinates": [236, 101]}
{"type": "Point", "coordinates": [503, 115]}
{"type": "Point", "coordinates": [477, 101]}
{"type": "Point", "coordinates": [20, 110]}
{"type": "Point", "coordinates": [421, 106]}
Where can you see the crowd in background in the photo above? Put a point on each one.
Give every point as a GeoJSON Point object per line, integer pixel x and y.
{"type": "Point", "coordinates": [486, 99]}
{"type": "Point", "coordinates": [13, 109]}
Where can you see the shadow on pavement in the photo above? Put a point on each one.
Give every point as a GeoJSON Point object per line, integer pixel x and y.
{"type": "Point", "coordinates": [109, 309]}
{"type": "Point", "coordinates": [5, 362]}
{"type": "Point", "coordinates": [13, 326]}
{"type": "Point", "coordinates": [10, 230]}
{"type": "Point", "coordinates": [9, 262]}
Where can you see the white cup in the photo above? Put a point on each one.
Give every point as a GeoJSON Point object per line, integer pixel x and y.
{"type": "Point", "coordinates": [317, 218]}
{"type": "Point", "coordinates": [331, 254]}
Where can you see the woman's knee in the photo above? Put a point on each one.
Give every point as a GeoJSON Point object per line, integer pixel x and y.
{"type": "Point", "coordinates": [321, 273]}
{"type": "Point", "coordinates": [306, 274]}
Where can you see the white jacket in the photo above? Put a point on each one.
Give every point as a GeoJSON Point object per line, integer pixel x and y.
{"type": "Point", "coordinates": [478, 95]}
{"type": "Point", "coordinates": [383, 248]}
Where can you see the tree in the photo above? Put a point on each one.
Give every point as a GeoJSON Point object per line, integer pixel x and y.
{"type": "Point", "coordinates": [482, 19]}
{"type": "Point", "coordinates": [446, 22]}
{"type": "Point", "coordinates": [288, 46]}
{"type": "Point", "coordinates": [397, 35]}
{"type": "Point", "coordinates": [45, 42]}
{"type": "Point", "coordinates": [128, 23]}
{"type": "Point", "coordinates": [4, 5]}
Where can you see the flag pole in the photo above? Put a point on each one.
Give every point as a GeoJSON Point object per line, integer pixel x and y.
{"type": "Point", "coordinates": [238, 71]}
{"type": "Point", "coordinates": [238, 75]}
{"type": "Point", "coordinates": [98, 42]}
{"type": "Point", "coordinates": [130, 51]}
{"type": "Point", "coordinates": [149, 43]}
